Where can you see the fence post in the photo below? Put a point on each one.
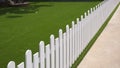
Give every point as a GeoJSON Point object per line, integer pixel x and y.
{"type": "Point", "coordinates": [42, 54]}
{"type": "Point", "coordinates": [28, 58]}
{"type": "Point", "coordinates": [11, 64]}
{"type": "Point", "coordinates": [36, 60]}
{"type": "Point", "coordinates": [21, 65]}
{"type": "Point", "coordinates": [52, 44]}
{"type": "Point", "coordinates": [47, 56]}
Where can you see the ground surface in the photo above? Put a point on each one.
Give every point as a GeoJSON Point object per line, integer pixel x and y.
{"type": "Point", "coordinates": [22, 28]}
{"type": "Point", "coordinates": [105, 53]}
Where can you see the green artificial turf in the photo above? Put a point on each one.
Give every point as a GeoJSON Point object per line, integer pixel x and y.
{"type": "Point", "coordinates": [80, 58]}
{"type": "Point", "coordinates": [22, 28]}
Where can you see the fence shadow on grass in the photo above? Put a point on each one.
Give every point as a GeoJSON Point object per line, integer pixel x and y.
{"type": "Point", "coordinates": [32, 8]}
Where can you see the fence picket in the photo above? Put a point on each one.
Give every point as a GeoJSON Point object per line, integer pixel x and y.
{"type": "Point", "coordinates": [21, 65]}
{"type": "Point", "coordinates": [47, 56]}
{"type": "Point", "coordinates": [70, 47]}
{"type": "Point", "coordinates": [11, 64]}
{"type": "Point", "coordinates": [52, 44]}
{"type": "Point", "coordinates": [36, 60]}
{"type": "Point", "coordinates": [57, 53]}
{"type": "Point", "coordinates": [28, 58]}
{"type": "Point", "coordinates": [73, 44]}
{"type": "Point", "coordinates": [61, 47]}
{"type": "Point", "coordinates": [67, 34]}
{"type": "Point", "coordinates": [42, 54]}
{"type": "Point", "coordinates": [65, 50]}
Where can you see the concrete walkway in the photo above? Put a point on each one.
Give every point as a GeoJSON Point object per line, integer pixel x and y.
{"type": "Point", "coordinates": [105, 53]}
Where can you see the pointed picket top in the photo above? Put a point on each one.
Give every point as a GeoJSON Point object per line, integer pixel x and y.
{"type": "Point", "coordinates": [11, 64]}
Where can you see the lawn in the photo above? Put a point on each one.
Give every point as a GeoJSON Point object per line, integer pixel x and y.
{"type": "Point", "coordinates": [22, 28]}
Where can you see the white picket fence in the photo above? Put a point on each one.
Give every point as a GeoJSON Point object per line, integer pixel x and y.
{"type": "Point", "coordinates": [63, 51]}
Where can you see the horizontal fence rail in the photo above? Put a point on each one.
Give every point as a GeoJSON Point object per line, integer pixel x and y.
{"type": "Point", "coordinates": [63, 51]}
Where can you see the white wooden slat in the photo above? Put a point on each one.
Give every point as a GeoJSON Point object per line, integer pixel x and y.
{"type": "Point", "coordinates": [36, 60]}
{"type": "Point", "coordinates": [42, 54]}
{"type": "Point", "coordinates": [61, 47]}
{"type": "Point", "coordinates": [52, 44]}
{"type": "Point", "coordinates": [82, 34]}
{"type": "Point", "coordinates": [70, 47]}
{"type": "Point", "coordinates": [68, 56]}
{"type": "Point", "coordinates": [21, 65]}
{"type": "Point", "coordinates": [78, 37]}
{"type": "Point", "coordinates": [81, 23]}
{"type": "Point", "coordinates": [11, 64]}
{"type": "Point", "coordinates": [28, 58]}
{"type": "Point", "coordinates": [57, 53]}
{"type": "Point", "coordinates": [65, 50]}
{"type": "Point", "coordinates": [73, 44]}
{"type": "Point", "coordinates": [47, 56]}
